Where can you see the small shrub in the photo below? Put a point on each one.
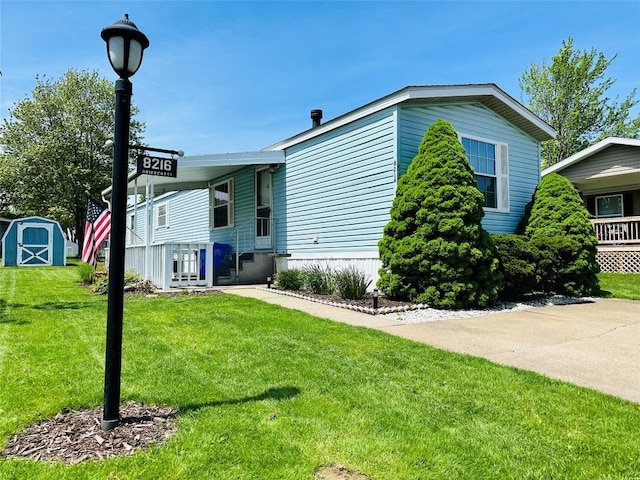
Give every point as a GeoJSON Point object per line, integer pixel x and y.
{"type": "Point", "coordinates": [131, 277]}
{"type": "Point", "coordinates": [319, 279]}
{"type": "Point", "coordinates": [517, 263]}
{"type": "Point", "coordinates": [290, 279]}
{"type": "Point", "coordinates": [87, 273]}
{"type": "Point", "coordinates": [101, 285]}
{"type": "Point", "coordinates": [351, 283]}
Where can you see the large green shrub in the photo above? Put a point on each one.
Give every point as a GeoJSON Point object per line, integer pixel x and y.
{"type": "Point", "coordinates": [518, 259]}
{"type": "Point", "coordinates": [560, 229]}
{"type": "Point", "coordinates": [434, 248]}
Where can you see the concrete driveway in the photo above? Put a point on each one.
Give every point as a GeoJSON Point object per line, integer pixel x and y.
{"type": "Point", "coordinates": [595, 345]}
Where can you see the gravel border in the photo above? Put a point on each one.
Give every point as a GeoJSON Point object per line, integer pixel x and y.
{"type": "Point", "coordinates": [419, 313]}
{"type": "Point", "coordinates": [433, 315]}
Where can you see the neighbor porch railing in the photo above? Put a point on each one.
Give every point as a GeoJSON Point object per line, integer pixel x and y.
{"type": "Point", "coordinates": [617, 231]}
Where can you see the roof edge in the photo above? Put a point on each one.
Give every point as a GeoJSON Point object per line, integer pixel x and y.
{"type": "Point", "coordinates": [416, 92]}
{"type": "Point", "coordinates": [589, 151]}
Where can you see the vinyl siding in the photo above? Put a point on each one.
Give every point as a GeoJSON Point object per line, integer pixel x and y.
{"type": "Point", "coordinates": [615, 160]}
{"type": "Point", "coordinates": [243, 213]}
{"type": "Point", "coordinates": [478, 121]}
{"type": "Point", "coordinates": [188, 215]}
{"type": "Point", "coordinates": [339, 187]}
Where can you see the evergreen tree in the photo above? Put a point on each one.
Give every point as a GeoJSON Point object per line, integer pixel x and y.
{"type": "Point", "coordinates": [560, 229]}
{"type": "Point", "coordinates": [434, 248]}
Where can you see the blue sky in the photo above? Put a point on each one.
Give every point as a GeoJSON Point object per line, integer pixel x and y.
{"type": "Point", "coordinates": [238, 76]}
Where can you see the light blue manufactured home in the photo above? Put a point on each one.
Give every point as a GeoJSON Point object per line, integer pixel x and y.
{"type": "Point", "coordinates": [324, 195]}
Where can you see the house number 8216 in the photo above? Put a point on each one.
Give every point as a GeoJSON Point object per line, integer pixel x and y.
{"type": "Point", "coordinates": [155, 163]}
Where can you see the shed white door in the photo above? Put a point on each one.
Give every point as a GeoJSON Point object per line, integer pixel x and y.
{"type": "Point", "coordinates": [35, 244]}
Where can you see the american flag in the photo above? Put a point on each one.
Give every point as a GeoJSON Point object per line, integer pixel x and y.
{"type": "Point", "coordinates": [96, 231]}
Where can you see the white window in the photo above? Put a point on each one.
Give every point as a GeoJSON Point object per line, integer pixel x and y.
{"type": "Point", "coordinates": [221, 205]}
{"type": "Point", "coordinates": [609, 206]}
{"type": "Point", "coordinates": [490, 165]}
{"type": "Point", "coordinates": [161, 216]}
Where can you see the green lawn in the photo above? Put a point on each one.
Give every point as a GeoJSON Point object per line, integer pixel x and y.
{"type": "Point", "coordinates": [620, 285]}
{"type": "Point", "coordinates": [270, 393]}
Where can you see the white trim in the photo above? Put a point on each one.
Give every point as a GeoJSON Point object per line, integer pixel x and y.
{"type": "Point", "coordinates": [367, 262]}
{"type": "Point", "coordinates": [502, 172]}
{"type": "Point", "coordinates": [446, 93]}
{"type": "Point", "coordinates": [264, 241]}
{"type": "Point", "coordinates": [156, 216]}
{"type": "Point", "coordinates": [597, 197]}
{"type": "Point", "coordinates": [333, 255]}
{"type": "Point", "coordinates": [194, 172]}
{"type": "Point", "coordinates": [36, 250]}
{"type": "Point", "coordinates": [592, 150]}
{"type": "Point", "coordinates": [230, 204]}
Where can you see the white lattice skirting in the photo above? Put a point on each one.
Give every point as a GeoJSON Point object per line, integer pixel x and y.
{"type": "Point", "coordinates": [619, 261]}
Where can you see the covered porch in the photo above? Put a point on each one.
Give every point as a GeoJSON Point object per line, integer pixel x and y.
{"type": "Point", "coordinates": [607, 176]}
{"type": "Point", "coordinates": [184, 260]}
{"type": "Point", "coordinates": [618, 244]}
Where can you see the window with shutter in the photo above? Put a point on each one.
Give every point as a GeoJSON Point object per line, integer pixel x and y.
{"type": "Point", "coordinates": [490, 162]}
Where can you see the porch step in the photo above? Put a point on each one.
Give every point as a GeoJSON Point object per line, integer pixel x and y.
{"type": "Point", "coordinates": [254, 268]}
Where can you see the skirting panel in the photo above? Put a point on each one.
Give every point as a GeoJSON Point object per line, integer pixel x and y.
{"type": "Point", "coordinates": [619, 261]}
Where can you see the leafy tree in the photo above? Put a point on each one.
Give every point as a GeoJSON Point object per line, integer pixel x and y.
{"type": "Point", "coordinates": [53, 148]}
{"type": "Point", "coordinates": [559, 228]}
{"type": "Point", "coordinates": [434, 249]}
{"type": "Point", "coordinates": [570, 95]}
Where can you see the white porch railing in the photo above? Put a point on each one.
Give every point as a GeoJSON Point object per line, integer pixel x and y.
{"type": "Point", "coordinates": [173, 264]}
{"type": "Point", "coordinates": [617, 231]}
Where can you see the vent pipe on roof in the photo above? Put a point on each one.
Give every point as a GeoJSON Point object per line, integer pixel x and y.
{"type": "Point", "coordinates": [316, 118]}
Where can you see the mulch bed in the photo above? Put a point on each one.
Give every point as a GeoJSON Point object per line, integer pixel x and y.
{"type": "Point", "coordinates": [365, 305]}
{"type": "Point", "coordinates": [74, 437]}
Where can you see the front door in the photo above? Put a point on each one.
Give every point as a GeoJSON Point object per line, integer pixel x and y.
{"type": "Point", "coordinates": [263, 208]}
{"type": "Point", "coordinates": [35, 244]}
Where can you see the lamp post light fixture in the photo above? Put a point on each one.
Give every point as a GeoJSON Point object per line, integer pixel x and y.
{"type": "Point", "coordinates": [125, 45]}
{"type": "Point", "coordinates": [375, 298]}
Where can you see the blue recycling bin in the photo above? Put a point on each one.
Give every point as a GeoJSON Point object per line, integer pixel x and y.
{"type": "Point", "coordinates": [203, 263]}
{"type": "Point", "coordinates": [219, 252]}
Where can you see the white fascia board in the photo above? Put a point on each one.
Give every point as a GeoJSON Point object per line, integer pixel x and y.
{"type": "Point", "coordinates": [195, 171]}
{"type": "Point", "coordinates": [417, 93]}
{"type": "Point", "coordinates": [589, 151]}
{"type": "Point", "coordinates": [233, 159]}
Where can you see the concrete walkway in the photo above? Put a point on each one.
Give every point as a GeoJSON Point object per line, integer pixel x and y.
{"type": "Point", "coordinates": [595, 345]}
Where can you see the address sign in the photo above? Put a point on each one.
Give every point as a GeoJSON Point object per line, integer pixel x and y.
{"type": "Point", "coordinates": [163, 167]}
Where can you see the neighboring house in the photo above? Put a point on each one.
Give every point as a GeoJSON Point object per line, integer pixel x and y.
{"type": "Point", "coordinates": [324, 195]}
{"type": "Point", "coordinates": [33, 241]}
{"type": "Point", "coordinates": [607, 176]}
